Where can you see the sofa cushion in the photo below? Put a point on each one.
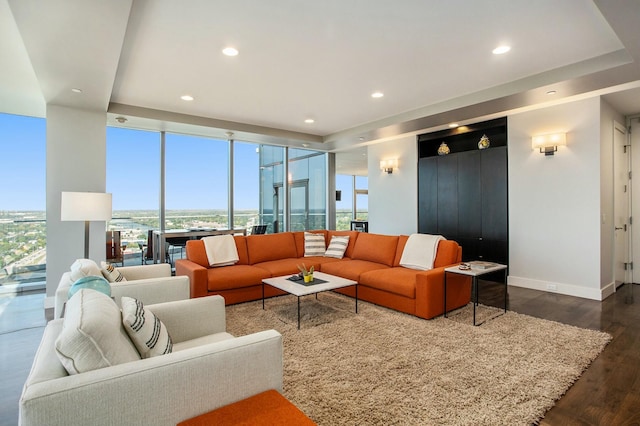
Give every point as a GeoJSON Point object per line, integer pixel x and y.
{"type": "Point", "coordinates": [146, 331]}
{"type": "Point", "coordinates": [263, 248]}
{"type": "Point", "coordinates": [236, 276]}
{"type": "Point", "coordinates": [337, 246]}
{"type": "Point", "coordinates": [84, 268]}
{"type": "Point", "coordinates": [314, 244]}
{"type": "Point", "coordinates": [92, 334]}
{"type": "Point", "coordinates": [401, 281]}
{"type": "Point", "coordinates": [376, 248]}
{"type": "Point", "coordinates": [351, 269]}
{"type": "Point", "coordinates": [111, 273]}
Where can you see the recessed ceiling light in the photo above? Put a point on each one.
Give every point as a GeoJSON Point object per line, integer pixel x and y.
{"type": "Point", "coordinates": [501, 49]}
{"type": "Point", "coordinates": [551, 92]}
{"type": "Point", "coordinates": [76, 90]}
{"type": "Point", "coordinates": [377, 94]}
{"type": "Point", "coordinates": [453, 125]}
{"type": "Point", "coordinates": [306, 145]}
{"type": "Point", "coordinates": [186, 97]}
{"type": "Point", "coordinates": [120, 119]}
{"type": "Point", "coordinates": [230, 51]}
{"type": "Point", "coordinates": [309, 121]}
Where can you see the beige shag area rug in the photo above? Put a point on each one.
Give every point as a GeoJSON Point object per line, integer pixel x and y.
{"type": "Point", "coordinates": [381, 367]}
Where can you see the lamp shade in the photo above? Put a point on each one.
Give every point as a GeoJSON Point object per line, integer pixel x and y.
{"type": "Point", "coordinates": [85, 206]}
{"type": "Point", "coordinates": [549, 140]}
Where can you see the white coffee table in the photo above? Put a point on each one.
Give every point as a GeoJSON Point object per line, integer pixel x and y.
{"type": "Point", "coordinates": [299, 288]}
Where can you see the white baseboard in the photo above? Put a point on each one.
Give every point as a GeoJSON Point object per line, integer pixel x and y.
{"type": "Point", "coordinates": [563, 288]}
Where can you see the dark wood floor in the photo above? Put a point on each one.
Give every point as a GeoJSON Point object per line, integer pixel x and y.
{"type": "Point", "coordinates": [608, 393]}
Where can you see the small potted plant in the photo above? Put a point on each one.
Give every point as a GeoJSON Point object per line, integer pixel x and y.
{"type": "Point", "coordinates": [307, 275]}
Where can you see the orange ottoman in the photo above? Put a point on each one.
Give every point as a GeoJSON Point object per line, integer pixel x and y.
{"type": "Point", "coordinates": [266, 408]}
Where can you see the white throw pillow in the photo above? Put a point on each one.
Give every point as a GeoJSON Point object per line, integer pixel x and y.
{"type": "Point", "coordinates": [84, 268]}
{"type": "Point", "coordinates": [313, 244]}
{"type": "Point", "coordinates": [146, 331]}
{"type": "Point", "coordinates": [337, 246]}
{"type": "Point", "coordinates": [111, 273]}
{"type": "Point", "coordinates": [92, 334]}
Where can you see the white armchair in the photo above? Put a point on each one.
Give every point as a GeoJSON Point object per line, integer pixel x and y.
{"type": "Point", "coordinates": [148, 283]}
{"type": "Point", "coordinates": [208, 369]}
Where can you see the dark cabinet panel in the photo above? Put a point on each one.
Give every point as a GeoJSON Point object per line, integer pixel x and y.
{"type": "Point", "coordinates": [494, 196]}
{"type": "Point", "coordinates": [428, 195]}
{"type": "Point", "coordinates": [469, 195]}
{"type": "Point", "coordinates": [448, 195]}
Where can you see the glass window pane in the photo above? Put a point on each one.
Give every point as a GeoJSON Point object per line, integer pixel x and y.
{"type": "Point", "coordinates": [271, 196]}
{"type": "Point", "coordinates": [23, 205]}
{"type": "Point", "coordinates": [133, 179]}
{"type": "Point", "coordinates": [344, 207]}
{"type": "Point", "coordinates": [246, 185]}
{"type": "Point", "coordinates": [196, 182]}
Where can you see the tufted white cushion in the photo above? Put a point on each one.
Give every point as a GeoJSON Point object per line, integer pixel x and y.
{"type": "Point", "coordinates": [313, 244]}
{"type": "Point", "coordinates": [84, 268]}
{"type": "Point", "coordinates": [146, 331]}
{"type": "Point", "coordinates": [92, 334]}
{"type": "Point", "coordinates": [111, 273]}
{"type": "Point", "coordinates": [337, 246]}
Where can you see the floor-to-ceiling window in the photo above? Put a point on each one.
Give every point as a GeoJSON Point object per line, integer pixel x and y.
{"type": "Point", "coordinates": [23, 201]}
{"type": "Point", "coordinates": [272, 196]}
{"type": "Point", "coordinates": [133, 179]}
{"type": "Point", "coordinates": [246, 184]}
{"type": "Point", "coordinates": [307, 190]}
{"type": "Point", "coordinates": [362, 198]}
{"type": "Point", "coordinates": [354, 200]}
{"type": "Point", "coordinates": [196, 182]}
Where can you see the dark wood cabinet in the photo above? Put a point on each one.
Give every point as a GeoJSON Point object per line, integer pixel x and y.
{"type": "Point", "coordinates": [463, 195]}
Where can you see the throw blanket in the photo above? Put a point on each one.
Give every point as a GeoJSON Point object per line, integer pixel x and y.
{"type": "Point", "coordinates": [221, 250]}
{"type": "Point", "coordinates": [420, 251]}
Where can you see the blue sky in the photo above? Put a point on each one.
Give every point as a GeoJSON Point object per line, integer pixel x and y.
{"type": "Point", "coordinates": [196, 169]}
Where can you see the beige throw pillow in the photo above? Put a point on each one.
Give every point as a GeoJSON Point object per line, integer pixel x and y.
{"type": "Point", "coordinates": [92, 334]}
{"type": "Point", "coordinates": [313, 244]}
{"type": "Point", "coordinates": [337, 246]}
{"type": "Point", "coordinates": [147, 332]}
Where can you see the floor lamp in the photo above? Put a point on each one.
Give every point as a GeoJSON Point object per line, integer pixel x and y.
{"type": "Point", "coordinates": [85, 206]}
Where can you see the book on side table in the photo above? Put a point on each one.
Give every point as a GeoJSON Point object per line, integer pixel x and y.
{"type": "Point", "coordinates": [479, 264]}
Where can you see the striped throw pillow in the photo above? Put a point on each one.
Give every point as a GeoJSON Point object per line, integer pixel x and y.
{"type": "Point", "coordinates": [111, 273]}
{"type": "Point", "coordinates": [313, 244]}
{"type": "Point", "coordinates": [337, 246]}
{"type": "Point", "coordinates": [146, 331]}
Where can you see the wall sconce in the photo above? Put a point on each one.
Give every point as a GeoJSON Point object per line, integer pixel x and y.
{"type": "Point", "coordinates": [387, 166]}
{"type": "Point", "coordinates": [548, 144]}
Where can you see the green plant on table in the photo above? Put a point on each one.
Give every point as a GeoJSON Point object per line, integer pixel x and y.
{"type": "Point", "coordinates": [304, 271]}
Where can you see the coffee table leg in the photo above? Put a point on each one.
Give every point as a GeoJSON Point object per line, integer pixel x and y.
{"type": "Point", "coordinates": [298, 312]}
{"type": "Point", "coordinates": [475, 289]}
{"type": "Point", "coordinates": [356, 298]}
{"type": "Point", "coordinates": [263, 296]}
{"type": "Point", "coordinates": [445, 294]}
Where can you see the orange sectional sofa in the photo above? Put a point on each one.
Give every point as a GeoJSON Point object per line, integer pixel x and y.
{"type": "Point", "coordinates": [373, 260]}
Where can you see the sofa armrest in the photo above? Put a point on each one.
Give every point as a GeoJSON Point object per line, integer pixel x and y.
{"type": "Point", "coordinates": [141, 272]}
{"type": "Point", "coordinates": [430, 292]}
{"type": "Point", "coordinates": [162, 390]}
{"type": "Point", "coordinates": [152, 290]}
{"type": "Point", "coordinates": [192, 318]}
{"type": "Point", "coordinates": [198, 276]}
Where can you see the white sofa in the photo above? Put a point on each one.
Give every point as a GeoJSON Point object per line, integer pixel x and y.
{"type": "Point", "coordinates": [147, 283]}
{"type": "Point", "coordinates": [208, 368]}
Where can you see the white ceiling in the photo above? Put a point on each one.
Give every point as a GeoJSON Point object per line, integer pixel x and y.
{"type": "Point", "coordinates": [313, 59]}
